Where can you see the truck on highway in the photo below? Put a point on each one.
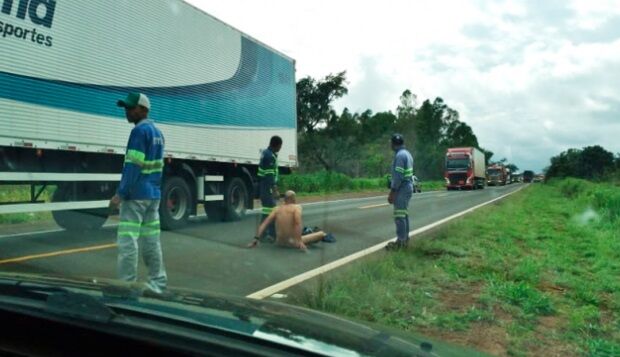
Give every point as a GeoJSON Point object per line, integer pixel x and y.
{"type": "Point", "coordinates": [528, 176]}
{"type": "Point", "coordinates": [217, 95]}
{"type": "Point", "coordinates": [497, 175]}
{"type": "Point", "coordinates": [464, 168]}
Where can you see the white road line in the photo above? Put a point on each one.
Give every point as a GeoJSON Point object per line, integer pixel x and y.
{"type": "Point", "coordinates": [283, 285]}
{"type": "Point", "coordinates": [374, 206]}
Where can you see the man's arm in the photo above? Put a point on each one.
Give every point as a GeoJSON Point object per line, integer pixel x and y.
{"type": "Point", "coordinates": [399, 171]}
{"type": "Point", "coordinates": [263, 226]}
{"type": "Point", "coordinates": [266, 222]}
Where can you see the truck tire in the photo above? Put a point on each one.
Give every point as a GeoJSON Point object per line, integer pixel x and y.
{"type": "Point", "coordinates": [235, 199]}
{"type": "Point", "coordinates": [84, 219]}
{"type": "Point", "coordinates": [175, 205]}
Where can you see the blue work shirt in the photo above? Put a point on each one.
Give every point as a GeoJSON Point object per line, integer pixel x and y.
{"type": "Point", "coordinates": [144, 163]}
{"type": "Point", "coordinates": [402, 168]}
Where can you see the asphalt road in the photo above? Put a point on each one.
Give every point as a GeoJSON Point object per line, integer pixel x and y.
{"type": "Point", "coordinates": [212, 256]}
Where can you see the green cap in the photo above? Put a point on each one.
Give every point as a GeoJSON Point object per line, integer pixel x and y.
{"type": "Point", "coordinates": [133, 100]}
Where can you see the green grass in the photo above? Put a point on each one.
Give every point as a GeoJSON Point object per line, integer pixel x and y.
{"type": "Point", "coordinates": [538, 272]}
{"type": "Point", "coordinates": [332, 182]}
{"type": "Point", "coordinates": [16, 193]}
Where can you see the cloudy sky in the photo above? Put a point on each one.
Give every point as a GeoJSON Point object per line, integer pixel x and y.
{"type": "Point", "coordinates": [531, 77]}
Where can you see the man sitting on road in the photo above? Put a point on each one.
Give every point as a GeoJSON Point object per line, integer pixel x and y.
{"type": "Point", "coordinates": [288, 225]}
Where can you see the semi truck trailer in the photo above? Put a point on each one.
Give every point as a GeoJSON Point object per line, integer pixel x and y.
{"type": "Point", "coordinates": [217, 95]}
{"type": "Point", "coordinates": [464, 168]}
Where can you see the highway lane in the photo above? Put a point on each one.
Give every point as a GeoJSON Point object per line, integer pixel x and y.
{"type": "Point", "coordinates": [211, 256]}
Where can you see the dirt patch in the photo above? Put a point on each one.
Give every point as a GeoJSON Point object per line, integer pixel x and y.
{"type": "Point", "coordinates": [460, 298]}
{"type": "Point", "coordinates": [484, 337]}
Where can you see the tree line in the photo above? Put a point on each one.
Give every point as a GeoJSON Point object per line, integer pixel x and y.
{"type": "Point", "coordinates": [357, 144]}
{"type": "Point", "coordinates": [591, 163]}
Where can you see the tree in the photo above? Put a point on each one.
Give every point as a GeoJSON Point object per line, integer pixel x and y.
{"type": "Point", "coordinates": [314, 99]}
{"type": "Point", "coordinates": [591, 162]}
{"type": "Point", "coordinates": [594, 162]}
{"type": "Point", "coordinates": [512, 167]}
{"type": "Point", "coordinates": [488, 154]}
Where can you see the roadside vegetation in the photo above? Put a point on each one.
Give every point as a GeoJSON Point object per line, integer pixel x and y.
{"type": "Point", "coordinates": [534, 275]}
{"type": "Point", "coordinates": [333, 182]}
{"type": "Point", "coordinates": [16, 193]}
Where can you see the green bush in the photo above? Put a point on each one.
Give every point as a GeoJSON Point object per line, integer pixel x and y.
{"type": "Point", "coordinates": [572, 187]}
{"type": "Point", "coordinates": [324, 181]}
{"type": "Point", "coordinates": [607, 199]}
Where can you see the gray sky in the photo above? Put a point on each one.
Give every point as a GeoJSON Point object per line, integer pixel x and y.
{"type": "Point", "coordinates": [532, 78]}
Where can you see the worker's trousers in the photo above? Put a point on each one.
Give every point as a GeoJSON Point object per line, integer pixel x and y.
{"type": "Point", "coordinates": [139, 219]}
{"type": "Point", "coordinates": [401, 212]}
{"type": "Point", "coordinates": [268, 203]}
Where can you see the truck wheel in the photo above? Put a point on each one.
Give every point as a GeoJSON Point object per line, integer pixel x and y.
{"type": "Point", "coordinates": [175, 203]}
{"type": "Point", "coordinates": [214, 211]}
{"type": "Point", "coordinates": [84, 219]}
{"type": "Point", "coordinates": [235, 199]}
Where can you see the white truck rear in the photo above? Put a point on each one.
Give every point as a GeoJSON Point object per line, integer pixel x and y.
{"type": "Point", "coordinates": [216, 94]}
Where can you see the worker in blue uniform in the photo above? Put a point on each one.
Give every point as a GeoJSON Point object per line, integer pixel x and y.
{"type": "Point", "coordinates": [268, 174]}
{"type": "Point", "coordinates": [401, 190]}
{"type": "Point", "coordinates": [139, 194]}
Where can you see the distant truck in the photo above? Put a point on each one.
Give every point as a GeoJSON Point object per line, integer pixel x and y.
{"type": "Point", "coordinates": [528, 176]}
{"type": "Point", "coordinates": [464, 169]}
{"type": "Point", "coordinates": [497, 175]}
{"type": "Point", "coordinates": [217, 95]}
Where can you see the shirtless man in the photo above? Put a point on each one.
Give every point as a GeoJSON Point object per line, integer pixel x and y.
{"type": "Point", "coordinates": [288, 225]}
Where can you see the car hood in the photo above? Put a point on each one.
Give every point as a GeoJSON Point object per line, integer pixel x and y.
{"type": "Point", "coordinates": [276, 322]}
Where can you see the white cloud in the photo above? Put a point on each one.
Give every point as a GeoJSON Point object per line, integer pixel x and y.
{"type": "Point", "coordinates": [531, 77]}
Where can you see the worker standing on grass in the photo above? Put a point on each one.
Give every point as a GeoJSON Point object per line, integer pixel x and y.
{"type": "Point", "coordinates": [268, 182]}
{"type": "Point", "coordinates": [401, 190]}
{"type": "Point", "coordinates": [139, 194]}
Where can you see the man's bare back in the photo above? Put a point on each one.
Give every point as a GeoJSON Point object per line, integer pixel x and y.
{"type": "Point", "coordinates": [288, 225]}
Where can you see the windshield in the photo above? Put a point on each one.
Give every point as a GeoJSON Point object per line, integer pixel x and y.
{"type": "Point", "coordinates": [457, 163]}
{"type": "Point", "coordinates": [494, 172]}
{"type": "Point", "coordinates": [314, 158]}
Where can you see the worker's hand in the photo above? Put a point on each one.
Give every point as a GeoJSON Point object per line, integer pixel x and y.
{"type": "Point", "coordinates": [302, 246]}
{"type": "Point", "coordinates": [115, 201]}
{"type": "Point", "coordinates": [253, 244]}
{"type": "Point", "coordinates": [276, 192]}
{"type": "Point", "coordinates": [391, 197]}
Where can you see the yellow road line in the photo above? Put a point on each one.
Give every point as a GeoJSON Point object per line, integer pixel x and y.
{"type": "Point", "coordinates": [60, 252]}
{"type": "Point", "coordinates": [374, 206]}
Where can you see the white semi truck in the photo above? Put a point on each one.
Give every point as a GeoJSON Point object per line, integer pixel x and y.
{"type": "Point", "coordinates": [217, 95]}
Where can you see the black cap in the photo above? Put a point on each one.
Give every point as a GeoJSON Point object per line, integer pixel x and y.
{"type": "Point", "coordinates": [397, 139]}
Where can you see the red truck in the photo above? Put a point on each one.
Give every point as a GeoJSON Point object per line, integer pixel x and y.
{"type": "Point", "coordinates": [497, 175]}
{"type": "Point", "coordinates": [464, 169]}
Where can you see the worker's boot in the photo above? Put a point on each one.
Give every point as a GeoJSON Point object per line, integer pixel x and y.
{"type": "Point", "coordinates": [398, 245]}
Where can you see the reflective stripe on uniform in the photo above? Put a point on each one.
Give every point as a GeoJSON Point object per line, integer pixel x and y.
{"type": "Point", "coordinates": [407, 173]}
{"type": "Point", "coordinates": [149, 231]}
{"type": "Point", "coordinates": [266, 172]}
{"type": "Point", "coordinates": [137, 158]}
{"type": "Point", "coordinates": [400, 213]}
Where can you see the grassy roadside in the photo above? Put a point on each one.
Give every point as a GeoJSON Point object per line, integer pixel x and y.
{"type": "Point", "coordinates": [331, 182]}
{"type": "Point", "coordinates": [15, 193]}
{"type": "Point", "coordinates": [536, 275]}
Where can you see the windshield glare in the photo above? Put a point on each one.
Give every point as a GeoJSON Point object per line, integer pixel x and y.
{"type": "Point", "coordinates": [443, 171]}
{"type": "Point", "coordinates": [457, 163]}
